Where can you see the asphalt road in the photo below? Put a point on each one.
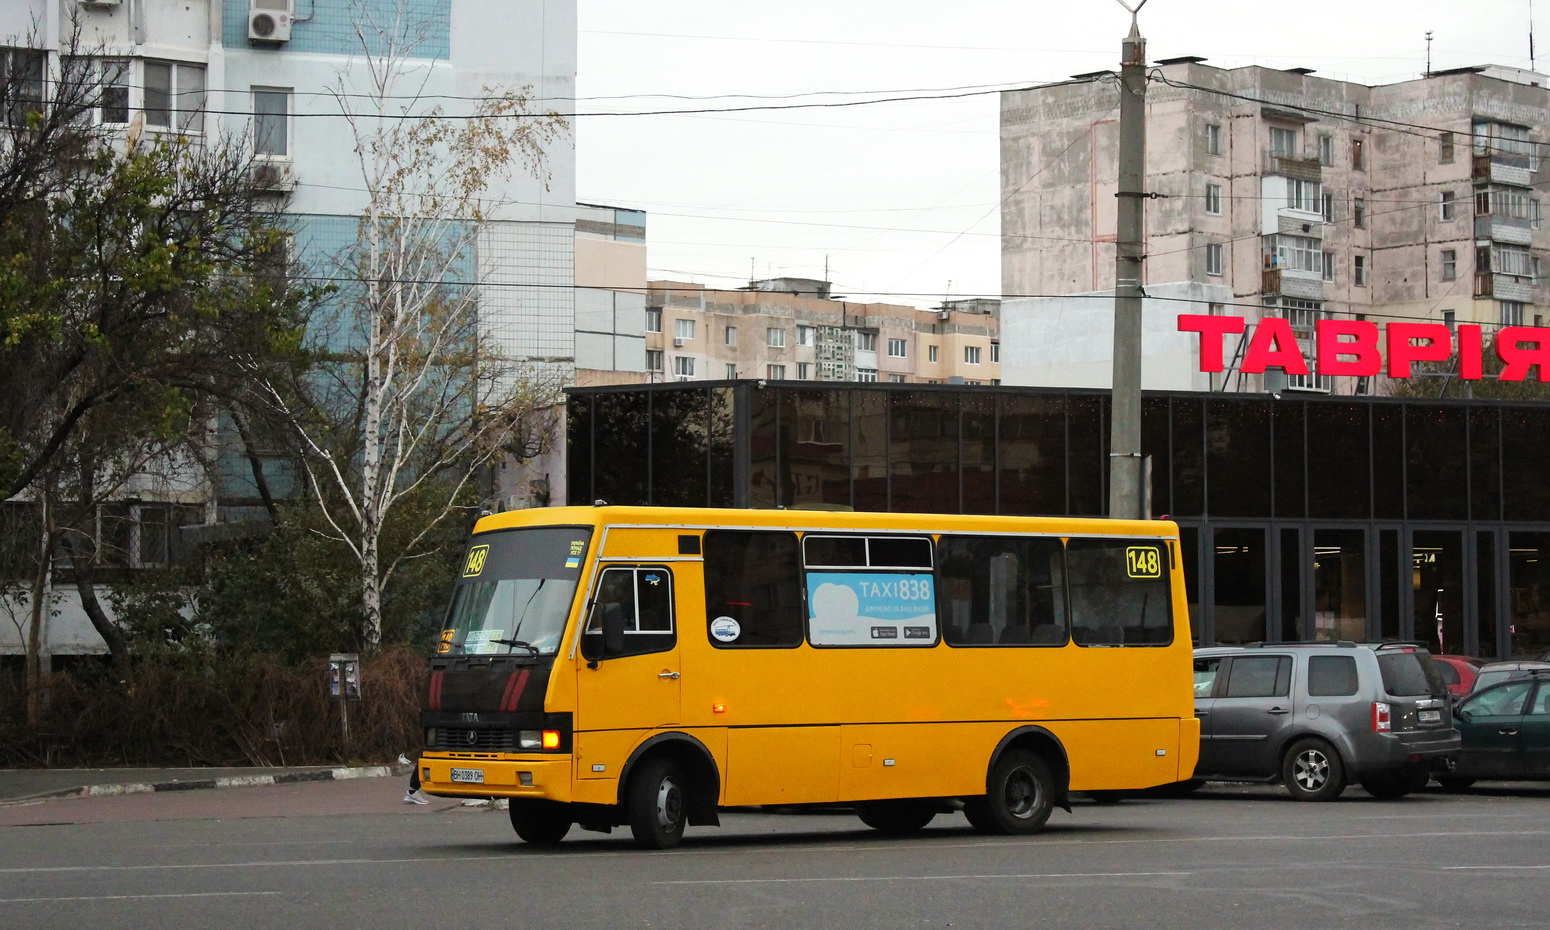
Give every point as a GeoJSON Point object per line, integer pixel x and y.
{"type": "Point", "coordinates": [351, 854]}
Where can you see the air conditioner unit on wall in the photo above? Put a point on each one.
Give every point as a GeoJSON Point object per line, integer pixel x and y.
{"type": "Point", "coordinates": [269, 21]}
{"type": "Point", "coordinates": [678, 341]}
{"type": "Point", "coordinates": [273, 176]}
{"type": "Point", "coordinates": [100, 4]}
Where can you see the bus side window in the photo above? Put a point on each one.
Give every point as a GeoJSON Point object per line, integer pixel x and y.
{"type": "Point", "coordinates": [1001, 591]}
{"type": "Point", "coordinates": [753, 589]}
{"type": "Point", "coordinates": [1120, 594]}
{"type": "Point", "coordinates": [644, 596]}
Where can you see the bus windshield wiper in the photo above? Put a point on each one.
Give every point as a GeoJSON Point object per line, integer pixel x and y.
{"type": "Point", "coordinates": [516, 642]}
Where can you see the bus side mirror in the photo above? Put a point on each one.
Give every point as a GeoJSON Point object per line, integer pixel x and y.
{"type": "Point", "coordinates": [611, 643]}
{"type": "Point", "coordinates": [613, 630]}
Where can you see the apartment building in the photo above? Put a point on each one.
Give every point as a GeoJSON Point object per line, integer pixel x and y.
{"type": "Point", "coordinates": [560, 284]}
{"type": "Point", "coordinates": [795, 329]}
{"type": "Point", "coordinates": [1274, 193]}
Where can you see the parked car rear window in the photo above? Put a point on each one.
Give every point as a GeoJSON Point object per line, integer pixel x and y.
{"type": "Point", "coordinates": [1410, 674]}
{"type": "Point", "coordinates": [1331, 676]}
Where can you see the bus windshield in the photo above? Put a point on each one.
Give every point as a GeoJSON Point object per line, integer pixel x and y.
{"type": "Point", "coordinates": [515, 593]}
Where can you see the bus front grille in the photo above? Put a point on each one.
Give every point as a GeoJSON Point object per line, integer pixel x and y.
{"type": "Point", "coordinates": [465, 739]}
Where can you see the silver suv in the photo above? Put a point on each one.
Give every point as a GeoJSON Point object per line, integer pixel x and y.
{"type": "Point", "coordinates": [1316, 716]}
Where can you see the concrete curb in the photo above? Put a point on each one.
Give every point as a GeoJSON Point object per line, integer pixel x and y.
{"type": "Point", "coordinates": [196, 784]}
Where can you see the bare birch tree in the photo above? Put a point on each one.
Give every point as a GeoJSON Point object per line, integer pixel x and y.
{"type": "Point", "coordinates": [408, 396]}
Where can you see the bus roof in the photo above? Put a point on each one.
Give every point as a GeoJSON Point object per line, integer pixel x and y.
{"type": "Point", "coordinates": [721, 518]}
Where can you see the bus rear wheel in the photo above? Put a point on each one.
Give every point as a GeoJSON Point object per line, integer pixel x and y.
{"type": "Point", "coordinates": [658, 804]}
{"type": "Point", "coordinates": [895, 818]}
{"type": "Point", "coordinates": [1019, 798]}
{"type": "Point", "coordinates": [541, 823]}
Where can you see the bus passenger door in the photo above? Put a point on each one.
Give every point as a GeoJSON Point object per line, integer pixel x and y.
{"type": "Point", "coordinates": [638, 689]}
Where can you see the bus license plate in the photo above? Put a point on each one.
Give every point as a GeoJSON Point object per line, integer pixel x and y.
{"type": "Point", "coordinates": [471, 776]}
{"type": "Point", "coordinates": [1431, 716]}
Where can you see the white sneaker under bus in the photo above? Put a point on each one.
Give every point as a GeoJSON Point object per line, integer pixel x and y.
{"type": "Point", "coordinates": [415, 797]}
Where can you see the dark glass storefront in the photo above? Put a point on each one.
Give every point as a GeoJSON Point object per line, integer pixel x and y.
{"type": "Point", "coordinates": [1302, 518]}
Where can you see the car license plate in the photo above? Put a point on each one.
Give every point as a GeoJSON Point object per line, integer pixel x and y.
{"type": "Point", "coordinates": [472, 776]}
{"type": "Point", "coordinates": [1431, 716]}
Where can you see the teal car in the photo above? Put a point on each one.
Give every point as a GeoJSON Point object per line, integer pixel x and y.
{"type": "Point", "coordinates": [1506, 733]}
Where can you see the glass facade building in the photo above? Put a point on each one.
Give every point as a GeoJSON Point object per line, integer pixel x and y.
{"type": "Point", "coordinates": [1302, 518]}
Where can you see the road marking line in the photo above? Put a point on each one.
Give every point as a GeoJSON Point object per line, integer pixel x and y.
{"type": "Point", "coordinates": [130, 897]}
{"type": "Point", "coordinates": [836, 847]}
{"type": "Point", "coordinates": [1492, 868]}
{"type": "Point", "coordinates": [919, 878]}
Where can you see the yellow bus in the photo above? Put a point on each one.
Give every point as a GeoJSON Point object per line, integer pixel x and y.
{"type": "Point", "coordinates": [647, 666]}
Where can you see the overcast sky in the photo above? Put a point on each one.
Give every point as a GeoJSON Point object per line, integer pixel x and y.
{"type": "Point", "coordinates": [900, 200]}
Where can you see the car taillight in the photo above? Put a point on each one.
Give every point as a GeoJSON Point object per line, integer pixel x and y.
{"type": "Point", "coordinates": [1381, 721]}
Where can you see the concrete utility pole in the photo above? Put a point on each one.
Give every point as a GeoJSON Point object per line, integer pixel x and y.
{"type": "Point", "coordinates": [1126, 493]}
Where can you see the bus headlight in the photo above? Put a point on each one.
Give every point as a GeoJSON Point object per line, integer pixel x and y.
{"type": "Point", "coordinates": [529, 739]}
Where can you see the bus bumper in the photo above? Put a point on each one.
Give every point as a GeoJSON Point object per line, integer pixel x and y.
{"type": "Point", "coordinates": [540, 777]}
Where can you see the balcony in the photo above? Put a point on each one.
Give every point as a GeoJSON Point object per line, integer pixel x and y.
{"type": "Point", "coordinates": [1503, 168]}
{"type": "Point", "coordinates": [1303, 169]}
{"type": "Point", "coordinates": [1284, 282]}
{"type": "Point", "coordinates": [1499, 228]}
{"type": "Point", "coordinates": [1504, 286]}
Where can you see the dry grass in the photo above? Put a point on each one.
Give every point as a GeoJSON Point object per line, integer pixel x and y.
{"type": "Point", "coordinates": [214, 710]}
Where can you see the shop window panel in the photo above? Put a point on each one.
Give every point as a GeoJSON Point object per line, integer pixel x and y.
{"type": "Point", "coordinates": [1238, 611]}
{"type": "Point", "coordinates": [722, 455]}
{"type": "Point", "coordinates": [1388, 461]}
{"type": "Point", "coordinates": [869, 449]}
{"type": "Point", "coordinates": [1238, 457]}
{"type": "Point", "coordinates": [817, 459]}
{"type": "Point", "coordinates": [1485, 473]}
{"type": "Point", "coordinates": [1528, 593]}
{"type": "Point", "coordinates": [1031, 455]}
{"type": "Point", "coordinates": [579, 439]}
{"type": "Point", "coordinates": [680, 447]}
{"type": "Point", "coordinates": [621, 426]}
{"type": "Point", "coordinates": [1188, 457]}
{"type": "Point", "coordinates": [1485, 596]}
{"type": "Point", "coordinates": [1436, 474]}
{"type": "Point", "coordinates": [1291, 458]}
{"type": "Point", "coordinates": [764, 441]}
{"type": "Point", "coordinates": [1291, 623]}
{"type": "Point", "coordinates": [1339, 472]}
{"type": "Point", "coordinates": [1523, 461]}
{"type": "Point", "coordinates": [1154, 444]}
{"type": "Point", "coordinates": [1437, 580]}
{"type": "Point", "coordinates": [1339, 585]}
{"type": "Point", "coordinates": [979, 453]}
{"type": "Point", "coordinates": [923, 452]}
{"type": "Point", "coordinates": [1087, 462]}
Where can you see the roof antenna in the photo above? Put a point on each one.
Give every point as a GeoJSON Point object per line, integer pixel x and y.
{"type": "Point", "coordinates": [1429, 50]}
{"type": "Point", "coordinates": [1531, 35]}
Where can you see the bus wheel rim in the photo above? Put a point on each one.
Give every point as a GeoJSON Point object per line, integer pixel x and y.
{"type": "Point", "coordinates": [669, 804]}
{"type": "Point", "coordinates": [1022, 793]}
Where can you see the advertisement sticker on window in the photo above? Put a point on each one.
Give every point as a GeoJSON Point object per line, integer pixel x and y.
{"type": "Point", "coordinates": [871, 609]}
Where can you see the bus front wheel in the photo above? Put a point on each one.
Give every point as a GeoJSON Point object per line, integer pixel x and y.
{"type": "Point", "coordinates": [1019, 799]}
{"type": "Point", "coordinates": [658, 804]}
{"type": "Point", "coordinates": [541, 823]}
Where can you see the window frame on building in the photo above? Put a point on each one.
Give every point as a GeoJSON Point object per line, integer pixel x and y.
{"type": "Point", "coordinates": [1213, 199]}
{"type": "Point", "coordinates": [1359, 213]}
{"type": "Point", "coordinates": [1283, 142]}
{"type": "Point", "coordinates": [731, 336]}
{"type": "Point", "coordinates": [1359, 270]}
{"type": "Point", "coordinates": [898, 348]}
{"type": "Point", "coordinates": [653, 319]}
{"type": "Point", "coordinates": [1447, 206]}
{"type": "Point", "coordinates": [775, 337]}
{"type": "Point", "coordinates": [1214, 259]}
{"type": "Point", "coordinates": [1448, 260]}
{"type": "Point", "coordinates": [271, 127]}
{"type": "Point", "coordinates": [971, 355]}
{"type": "Point", "coordinates": [654, 361]}
{"type": "Point", "coordinates": [683, 328]}
{"type": "Point", "coordinates": [775, 371]}
{"type": "Point", "coordinates": [683, 366]}
{"type": "Point", "coordinates": [1213, 138]}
